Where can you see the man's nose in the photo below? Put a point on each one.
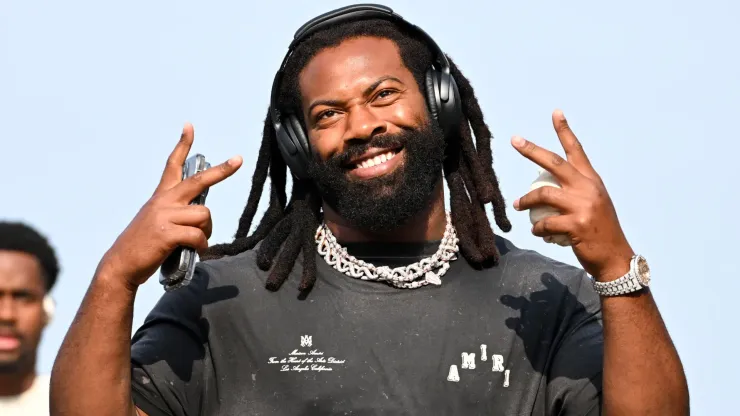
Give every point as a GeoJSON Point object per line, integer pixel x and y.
{"type": "Point", "coordinates": [363, 124]}
{"type": "Point", "coordinates": [7, 310]}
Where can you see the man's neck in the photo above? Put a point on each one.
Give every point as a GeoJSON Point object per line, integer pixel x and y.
{"type": "Point", "coordinates": [17, 382]}
{"type": "Point", "coordinates": [428, 225]}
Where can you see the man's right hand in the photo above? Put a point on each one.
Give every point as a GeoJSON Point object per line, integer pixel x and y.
{"type": "Point", "coordinates": [167, 220]}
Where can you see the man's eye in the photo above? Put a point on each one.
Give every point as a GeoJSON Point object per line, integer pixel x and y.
{"type": "Point", "coordinates": [385, 93]}
{"type": "Point", "coordinates": [326, 114]}
{"type": "Point", "coordinates": [24, 296]}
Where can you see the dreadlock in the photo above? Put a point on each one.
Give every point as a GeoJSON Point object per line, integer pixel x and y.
{"type": "Point", "coordinates": [287, 229]}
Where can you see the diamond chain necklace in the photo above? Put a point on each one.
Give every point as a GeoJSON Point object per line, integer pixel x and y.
{"type": "Point", "coordinates": [432, 268]}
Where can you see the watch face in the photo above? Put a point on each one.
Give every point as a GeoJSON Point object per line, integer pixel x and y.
{"type": "Point", "coordinates": [643, 271]}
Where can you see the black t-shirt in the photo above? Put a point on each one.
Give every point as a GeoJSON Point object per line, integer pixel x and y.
{"type": "Point", "coordinates": [521, 338]}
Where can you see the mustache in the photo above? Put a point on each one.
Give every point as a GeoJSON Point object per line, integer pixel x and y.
{"type": "Point", "coordinates": [9, 331]}
{"type": "Point", "coordinates": [354, 150]}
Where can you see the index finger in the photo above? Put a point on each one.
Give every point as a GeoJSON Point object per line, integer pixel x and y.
{"type": "Point", "coordinates": [191, 187]}
{"type": "Point", "coordinates": [172, 174]}
{"type": "Point", "coordinates": [573, 150]}
{"type": "Point", "coordinates": [563, 171]}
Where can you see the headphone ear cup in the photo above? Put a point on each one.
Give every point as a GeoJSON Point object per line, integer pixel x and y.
{"type": "Point", "coordinates": [432, 82]}
{"type": "Point", "coordinates": [49, 308]}
{"type": "Point", "coordinates": [290, 147]}
{"type": "Point", "coordinates": [300, 135]}
{"type": "Point", "coordinates": [450, 112]}
{"type": "Point", "coordinates": [447, 114]}
{"type": "Point", "coordinates": [301, 143]}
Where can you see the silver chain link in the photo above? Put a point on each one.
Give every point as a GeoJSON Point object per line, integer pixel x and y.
{"type": "Point", "coordinates": [406, 277]}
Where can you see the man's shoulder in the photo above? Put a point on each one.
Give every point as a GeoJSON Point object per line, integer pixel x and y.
{"type": "Point", "coordinates": [533, 259]}
{"type": "Point", "coordinates": [239, 270]}
{"type": "Point", "coordinates": [527, 270]}
{"type": "Point", "coordinates": [42, 384]}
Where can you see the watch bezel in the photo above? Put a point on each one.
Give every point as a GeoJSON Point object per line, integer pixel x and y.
{"type": "Point", "coordinates": [642, 270]}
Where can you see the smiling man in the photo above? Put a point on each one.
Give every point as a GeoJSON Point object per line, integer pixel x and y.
{"type": "Point", "coordinates": [28, 271]}
{"type": "Point", "coordinates": [379, 301]}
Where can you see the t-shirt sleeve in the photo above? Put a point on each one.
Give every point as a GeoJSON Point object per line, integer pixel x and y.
{"type": "Point", "coordinates": [574, 379]}
{"type": "Point", "coordinates": [169, 353]}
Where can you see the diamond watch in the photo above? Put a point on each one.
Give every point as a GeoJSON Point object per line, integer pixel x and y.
{"type": "Point", "coordinates": [636, 279]}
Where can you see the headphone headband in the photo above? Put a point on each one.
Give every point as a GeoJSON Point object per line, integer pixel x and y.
{"type": "Point", "coordinates": [343, 15]}
{"type": "Point", "coordinates": [360, 11]}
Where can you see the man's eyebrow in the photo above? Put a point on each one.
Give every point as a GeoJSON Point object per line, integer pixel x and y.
{"type": "Point", "coordinates": [368, 91]}
{"type": "Point", "coordinates": [328, 103]}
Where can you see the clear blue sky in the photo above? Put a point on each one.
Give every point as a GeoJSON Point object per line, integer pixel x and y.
{"type": "Point", "coordinates": [93, 96]}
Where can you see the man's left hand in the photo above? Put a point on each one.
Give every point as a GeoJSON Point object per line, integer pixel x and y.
{"type": "Point", "coordinates": [587, 214]}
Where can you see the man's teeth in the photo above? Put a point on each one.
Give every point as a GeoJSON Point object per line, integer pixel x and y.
{"type": "Point", "coordinates": [377, 160]}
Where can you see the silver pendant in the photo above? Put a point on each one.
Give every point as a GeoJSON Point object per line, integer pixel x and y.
{"type": "Point", "coordinates": [432, 278]}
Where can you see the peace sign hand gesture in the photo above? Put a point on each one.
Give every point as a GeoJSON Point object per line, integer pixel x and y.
{"type": "Point", "coordinates": [167, 220]}
{"type": "Point", "coordinates": [587, 214]}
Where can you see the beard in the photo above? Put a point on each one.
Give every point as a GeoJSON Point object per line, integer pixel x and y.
{"type": "Point", "coordinates": [14, 362]}
{"type": "Point", "coordinates": [384, 203]}
{"type": "Point", "coordinates": [10, 367]}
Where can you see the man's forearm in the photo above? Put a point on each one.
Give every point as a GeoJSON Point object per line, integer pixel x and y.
{"type": "Point", "coordinates": [92, 371]}
{"type": "Point", "coordinates": [642, 371]}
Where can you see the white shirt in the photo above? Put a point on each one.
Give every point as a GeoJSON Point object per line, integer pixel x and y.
{"type": "Point", "coordinates": [32, 402]}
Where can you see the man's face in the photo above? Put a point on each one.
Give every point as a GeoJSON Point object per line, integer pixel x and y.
{"type": "Point", "coordinates": [21, 308]}
{"type": "Point", "coordinates": [378, 156]}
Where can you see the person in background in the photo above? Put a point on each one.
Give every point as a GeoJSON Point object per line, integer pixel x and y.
{"type": "Point", "coordinates": [28, 272]}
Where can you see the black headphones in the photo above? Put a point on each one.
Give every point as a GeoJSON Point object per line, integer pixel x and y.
{"type": "Point", "coordinates": [443, 97]}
